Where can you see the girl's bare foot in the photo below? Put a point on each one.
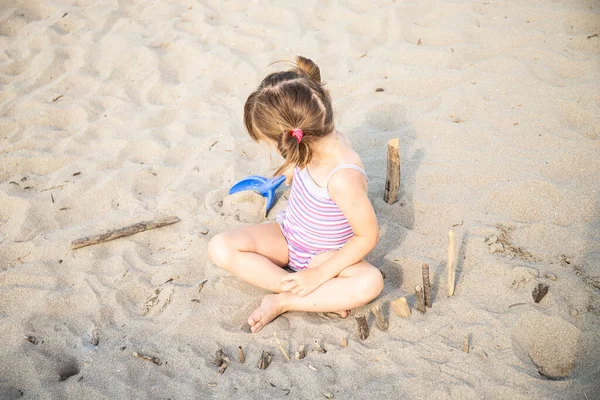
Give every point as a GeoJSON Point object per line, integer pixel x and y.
{"type": "Point", "coordinates": [270, 308]}
{"type": "Point", "coordinates": [343, 314]}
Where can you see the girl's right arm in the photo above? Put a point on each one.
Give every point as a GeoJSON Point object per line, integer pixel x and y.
{"type": "Point", "coordinates": [289, 175]}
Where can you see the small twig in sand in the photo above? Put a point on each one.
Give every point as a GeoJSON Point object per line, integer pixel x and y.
{"type": "Point", "coordinates": [589, 37]}
{"type": "Point", "coordinates": [32, 339]}
{"type": "Point", "coordinates": [201, 285]}
{"type": "Point", "coordinates": [420, 299]}
{"type": "Point", "coordinates": [466, 344]}
{"type": "Point", "coordinates": [451, 262]}
{"type": "Point", "coordinates": [153, 359]}
{"type": "Point", "coordinates": [362, 327]}
{"type": "Point", "coordinates": [320, 348]}
{"type": "Point", "coordinates": [122, 232]}
{"type": "Point", "coordinates": [57, 186]}
{"type": "Point", "coordinates": [221, 361]}
{"type": "Point", "coordinates": [20, 259]}
{"type": "Point", "coordinates": [283, 351]}
{"type": "Point", "coordinates": [539, 292]}
{"type": "Point", "coordinates": [301, 353]}
{"type": "Point", "coordinates": [517, 304]}
{"type": "Point", "coordinates": [242, 356]}
{"type": "Point", "coordinates": [426, 286]}
{"type": "Point", "coordinates": [265, 360]}
{"type": "Point", "coordinates": [380, 318]}
{"type": "Point", "coordinates": [392, 182]}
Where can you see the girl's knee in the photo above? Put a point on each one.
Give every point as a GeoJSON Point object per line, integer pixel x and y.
{"type": "Point", "coordinates": [220, 250]}
{"type": "Point", "coordinates": [371, 283]}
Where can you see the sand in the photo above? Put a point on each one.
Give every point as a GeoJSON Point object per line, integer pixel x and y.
{"type": "Point", "coordinates": [113, 113]}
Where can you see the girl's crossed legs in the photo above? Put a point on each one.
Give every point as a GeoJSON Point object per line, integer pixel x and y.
{"type": "Point", "coordinates": [258, 253]}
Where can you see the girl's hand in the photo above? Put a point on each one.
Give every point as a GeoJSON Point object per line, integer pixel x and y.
{"type": "Point", "coordinates": [302, 282]}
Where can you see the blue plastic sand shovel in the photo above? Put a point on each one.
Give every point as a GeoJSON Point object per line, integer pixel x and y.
{"type": "Point", "coordinates": [259, 184]}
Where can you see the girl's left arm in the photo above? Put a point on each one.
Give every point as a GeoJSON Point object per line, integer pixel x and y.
{"type": "Point", "coordinates": [348, 188]}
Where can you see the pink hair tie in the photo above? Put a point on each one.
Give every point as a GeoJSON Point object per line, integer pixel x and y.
{"type": "Point", "coordinates": [298, 134]}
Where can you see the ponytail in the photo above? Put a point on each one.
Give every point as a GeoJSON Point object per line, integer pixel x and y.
{"type": "Point", "coordinates": [292, 109]}
{"type": "Point", "coordinates": [309, 68]}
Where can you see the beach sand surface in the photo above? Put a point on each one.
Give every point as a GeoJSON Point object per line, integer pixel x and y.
{"type": "Point", "coordinates": [116, 112]}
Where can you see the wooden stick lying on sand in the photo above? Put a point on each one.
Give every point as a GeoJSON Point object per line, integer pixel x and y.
{"type": "Point", "coordinates": [122, 232]}
{"type": "Point", "coordinates": [451, 262]}
{"type": "Point", "coordinates": [392, 182]}
{"type": "Point", "coordinates": [420, 299]}
{"type": "Point", "coordinates": [401, 308]}
{"type": "Point", "coordinates": [426, 286]}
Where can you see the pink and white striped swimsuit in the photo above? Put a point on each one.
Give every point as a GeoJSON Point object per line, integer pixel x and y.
{"type": "Point", "coordinates": [313, 223]}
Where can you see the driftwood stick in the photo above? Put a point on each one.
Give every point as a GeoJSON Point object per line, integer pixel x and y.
{"type": "Point", "coordinates": [420, 299]}
{"type": "Point", "coordinates": [320, 347]}
{"type": "Point", "coordinates": [301, 352]}
{"type": "Point", "coordinates": [466, 344]}
{"type": "Point", "coordinates": [122, 232]}
{"type": "Point", "coordinates": [426, 286]}
{"type": "Point", "coordinates": [220, 358]}
{"type": "Point", "coordinates": [380, 318]}
{"type": "Point", "coordinates": [362, 327]}
{"type": "Point", "coordinates": [242, 356]}
{"type": "Point", "coordinates": [451, 262]}
{"type": "Point", "coordinates": [265, 360]}
{"type": "Point", "coordinates": [145, 357]}
{"type": "Point", "coordinates": [539, 292]}
{"type": "Point", "coordinates": [285, 354]}
{"type": "Point", "coordinates": [392, 182]}
{"type": "Point", "coordinates": [401, 308]}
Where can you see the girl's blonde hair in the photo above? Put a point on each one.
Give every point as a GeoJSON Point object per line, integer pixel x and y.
{"type": "Point", "coordinates": [288, 100]}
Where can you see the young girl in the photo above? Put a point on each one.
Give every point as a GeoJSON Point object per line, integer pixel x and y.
{"type": "Point", "coordinates": [329, 225]}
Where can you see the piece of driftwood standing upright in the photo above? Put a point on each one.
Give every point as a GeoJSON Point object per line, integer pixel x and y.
{"type": "Point", "coordinates": [392, 182]}
{"type": "Point", "coordinates": [301, 353]}
{"type": "Point", "coordinates": [539, 292]}
{"type": "Point", "coordinates": [426, 286]}
{"type": "Point", "coordinates": [401, 308]}
{"type": "Point", "coordinates": [420, 299]}
{"type": "Point", "coordinates": [451, 262]}
{"type": "Point", "coordinates": [122, 232]}
{"type": "Point", "coordinates": [265, 360]}
{"type": "Point", "coordinates": [242, 356]}
{"type": "Point", "coordinates": [362, 327]}
{"type": "Point", "coordinates": [382, 323]}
